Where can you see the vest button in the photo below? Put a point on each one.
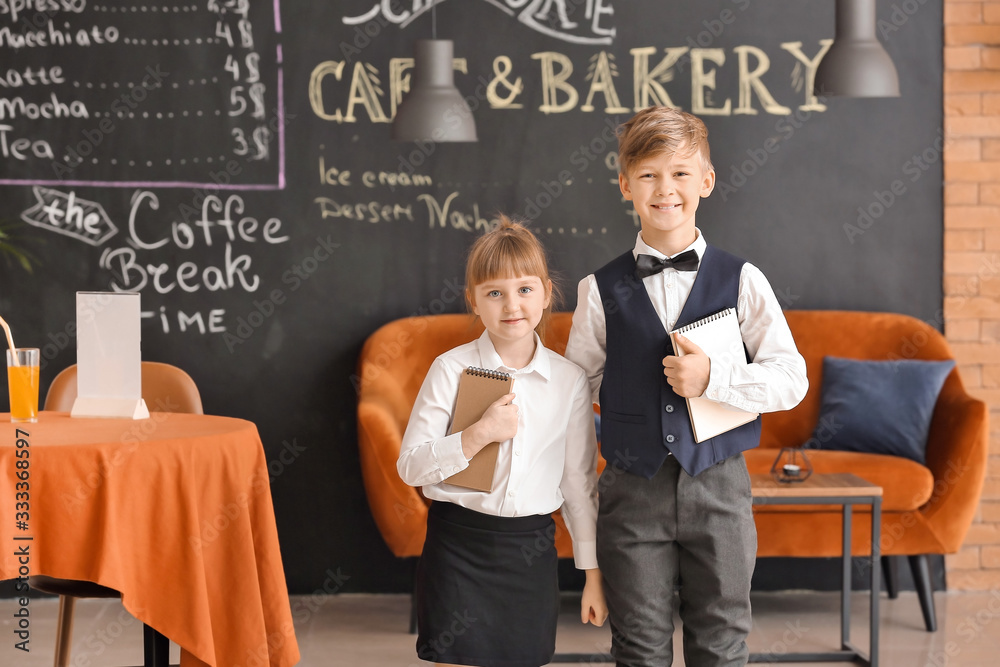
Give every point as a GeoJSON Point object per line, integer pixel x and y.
{"type": "Point", "coordinates": [669, 408]}
{"type": "Point", "coordinates": [669, 438]}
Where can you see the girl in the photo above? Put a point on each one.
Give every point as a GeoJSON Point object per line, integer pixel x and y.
{"type": "Point", "coordinates": [487, 590]}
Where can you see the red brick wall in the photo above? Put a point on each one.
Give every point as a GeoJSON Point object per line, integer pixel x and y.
{"type": "Point", "coordinates": [972, 250]}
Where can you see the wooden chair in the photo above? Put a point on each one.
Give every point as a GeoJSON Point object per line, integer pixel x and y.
{"type": "Point", "coordinates": [165, 388]}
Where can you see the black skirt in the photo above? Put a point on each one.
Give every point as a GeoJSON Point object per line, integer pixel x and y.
{"type": "Point", "coordinates": [487, 589]}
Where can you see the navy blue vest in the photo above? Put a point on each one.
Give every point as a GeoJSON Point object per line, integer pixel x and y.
{"type": "Point", "coordinates": [642, 418]}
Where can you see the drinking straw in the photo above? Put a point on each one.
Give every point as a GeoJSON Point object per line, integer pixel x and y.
{"type": "Point", "coordinates": [10, 341]}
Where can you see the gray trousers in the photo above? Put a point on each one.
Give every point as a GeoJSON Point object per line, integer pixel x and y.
{"type": "Point", "coordinates": [676, 529]}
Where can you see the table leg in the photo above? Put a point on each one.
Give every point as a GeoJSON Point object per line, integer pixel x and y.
{"type": "Point", "coordinates": [156, 648]}
{"type": "Point", "coordinates": [875, 583]}
{"type": "Point", "coordinates": [847, 652]}
{"type": "Point", "coordinates": [845, 582]}
{"type": "Point", "coordinates": [64, 630]}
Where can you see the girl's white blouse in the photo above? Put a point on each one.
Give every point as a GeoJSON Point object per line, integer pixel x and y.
{"type": "Point", "coordinates": [550, 463]}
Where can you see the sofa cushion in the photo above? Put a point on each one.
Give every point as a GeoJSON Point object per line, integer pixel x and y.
{"type": "Point", "coordinates": [878, 407]}
{"type": "Point", "coordinates": [906, 485]}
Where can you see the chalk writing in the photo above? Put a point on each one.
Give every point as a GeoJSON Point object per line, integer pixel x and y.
{"type": "Point", "coordinates": [228, 104]}
{"type": "Point", "coordinates": [372, 211]}
{"type": "Point", "coordinates": [213, 322]}
{"type": "Point", "coordinates": [440, 213]}
{"type": "Point", "coordinates": [15, 9]}
{"type": "Point", "coordinates": [21, 148]}
{"type": "Point", "coordinates": [221, 223]}
{"type": "Point", "coordinates": [52, 36]}
{"type": "Point", "coordinates": [343, 177]}
{"type": "Point", "coordinates": [41, 76]}
{"type": "Point", "coordinates": [247, 95]}
{"type": "Point", "coordinates": [133, 276]}
{"type": "Point", "coordinates": [184, 235]}
{"type": "Point", "coordinates": [67, 214]}
{"type": "Point", "coordinates": [550, 17]}
{"type": "Point", "coordinates": [602, 82]}
{"type": "Point", "coordinates": [501, 68]}
{"type": "Point", "coordinates": [53, 107]}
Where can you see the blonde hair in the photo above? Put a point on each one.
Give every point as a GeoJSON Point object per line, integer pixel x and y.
{"type": "Point", "coordinates": [661, 130]}
{"type": "Point", "coordinates": [509, 250]}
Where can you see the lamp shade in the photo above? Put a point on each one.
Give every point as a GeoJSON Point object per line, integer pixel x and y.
{"type": "Point", "coordinates": [434, 110]}
{"type": "Point", "coordinates": [856, 65]}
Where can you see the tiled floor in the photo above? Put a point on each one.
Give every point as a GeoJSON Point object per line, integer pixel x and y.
{"type": "Point", "coordinates": [370, 631]}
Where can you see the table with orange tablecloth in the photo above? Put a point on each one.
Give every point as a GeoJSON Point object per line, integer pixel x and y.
{"type": "Point", "coordinates": [174, 511]}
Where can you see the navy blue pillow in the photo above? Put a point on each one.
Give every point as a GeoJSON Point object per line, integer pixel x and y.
{"type": "Point", "coordinates": [879, 407]}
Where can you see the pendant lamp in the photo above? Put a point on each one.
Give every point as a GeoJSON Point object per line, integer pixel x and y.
{"type": "Point", "coordinates": [434, 109]}
{"type": "Point", "coordinates": [856, 65]}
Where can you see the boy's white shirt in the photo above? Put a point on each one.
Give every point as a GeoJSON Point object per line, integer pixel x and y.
{"type": "Point", "coordinates": [551, 462]}
{"type": "Point", "coordinates": [776, 378]}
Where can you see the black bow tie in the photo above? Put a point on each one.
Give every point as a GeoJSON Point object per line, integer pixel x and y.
{"type": "Point", "coordinates": [647, 265]}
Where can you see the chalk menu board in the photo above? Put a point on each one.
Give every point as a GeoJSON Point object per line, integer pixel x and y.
{"type": "Point", "coordinates": [230, 160]}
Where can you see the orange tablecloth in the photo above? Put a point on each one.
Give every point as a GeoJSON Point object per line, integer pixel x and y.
{"type": "Point", "coordinates": [174, 511]}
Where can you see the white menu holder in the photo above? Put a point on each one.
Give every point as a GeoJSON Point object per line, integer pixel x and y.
{"type": "Point", "coordinates": [108, 357]}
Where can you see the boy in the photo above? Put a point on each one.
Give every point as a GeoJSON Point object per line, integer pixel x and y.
{"type": "Point", "coordinates": [673, 511]}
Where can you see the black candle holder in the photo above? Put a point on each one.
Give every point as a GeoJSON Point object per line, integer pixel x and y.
{"type": "Point", "coordinates": [792, 465]}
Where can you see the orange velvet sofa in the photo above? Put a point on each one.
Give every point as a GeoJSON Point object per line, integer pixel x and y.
{"type": "Point", "coordinates": [925, 510]}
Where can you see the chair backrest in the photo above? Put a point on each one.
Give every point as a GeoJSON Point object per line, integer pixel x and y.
{"type": "Point", "coordinates": [391, 368]}
{"type": "Point", "coordinates": [165, 388]}
{"type": "Point", "coordinates": [873, 336]}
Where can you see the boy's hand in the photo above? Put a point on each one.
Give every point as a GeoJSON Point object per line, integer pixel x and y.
{"type": "Point", "coordinates": [688, 375]}
{"type": "Point", "coordinates": [593, 608]}
{"type": "Point", "coordinates": [497, 424]}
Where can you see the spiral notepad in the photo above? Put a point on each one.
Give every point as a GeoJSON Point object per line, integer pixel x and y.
{"type": "Point", "coordinates": [478, 388]}
{"type": "Point", "coordinates": [705, 321]}
{"type": "Point", "coordinates": [487, 373]}
{"type": "Point", "coordinates": [720, 338]}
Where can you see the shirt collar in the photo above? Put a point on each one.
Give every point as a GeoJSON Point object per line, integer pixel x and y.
{"type": "Point", "coordinates": [641, 248]}
{"type": "Point", "coordinates": [491, 360]}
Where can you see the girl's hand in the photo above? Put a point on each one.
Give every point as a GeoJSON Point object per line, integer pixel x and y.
{"type": "Point", "coordinates": [593, 608]}
{"type": "Point", "coordinates": [497, 424]}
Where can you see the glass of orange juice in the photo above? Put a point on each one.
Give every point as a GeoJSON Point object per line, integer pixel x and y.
{"type": "Point", "coordinates": [22, 382]}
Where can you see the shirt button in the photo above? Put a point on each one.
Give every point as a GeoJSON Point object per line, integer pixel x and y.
{"type": "Point", "coordinates": [455, 469]}
{"type": "Point", "coordinates": [517, 452]}
{"type": "Point", "coordinates": [669, 408]}
{"type": "Point", "coordinates": [511, 493]}
{"type": "Point", "coordinates": [669, 438]}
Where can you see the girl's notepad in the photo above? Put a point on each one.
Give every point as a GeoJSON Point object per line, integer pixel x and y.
{"type": "Point", "coordinates": [719, 336]}
{"type": "Point", "coordinates": [478, 388]}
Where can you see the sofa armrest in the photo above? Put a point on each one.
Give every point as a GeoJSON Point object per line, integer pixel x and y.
{"type": "Point", "coordinates": [957, 454]}
{"type": "Point", "coordinates": [398, 509]}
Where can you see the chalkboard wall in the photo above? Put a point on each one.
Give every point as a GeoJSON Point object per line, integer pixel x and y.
{"type": "Point", "coordinates": [230, 160]}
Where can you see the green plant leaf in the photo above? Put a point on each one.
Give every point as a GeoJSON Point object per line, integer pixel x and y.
{"type": "Point", "coordinates": [11, 246]}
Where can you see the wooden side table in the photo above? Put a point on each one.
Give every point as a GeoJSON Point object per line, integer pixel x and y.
{"type": "Point", "coordinates": [846, 490]}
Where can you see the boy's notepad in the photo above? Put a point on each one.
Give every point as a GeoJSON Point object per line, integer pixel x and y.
{"type": "Point", "coordinates": [478, 388]}
{"type": "Point", "coordinates": [719, 336]}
